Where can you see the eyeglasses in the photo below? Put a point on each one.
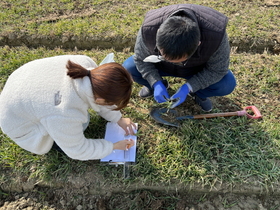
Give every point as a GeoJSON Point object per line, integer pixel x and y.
{"type": "Point", "coordinates": [182, 63]}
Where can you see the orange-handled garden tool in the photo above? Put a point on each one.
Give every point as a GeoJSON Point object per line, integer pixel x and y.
{"type": "Point", "coordinates": [158, 114]}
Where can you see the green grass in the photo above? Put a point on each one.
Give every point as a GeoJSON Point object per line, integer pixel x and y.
{"type": "Point", "coordinates": [233, 150]}
{"type": "Point", "coordinates": [251, 23]}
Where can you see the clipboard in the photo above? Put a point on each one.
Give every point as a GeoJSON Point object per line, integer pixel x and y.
{"type": "Point", "coordinates": [115, 133]}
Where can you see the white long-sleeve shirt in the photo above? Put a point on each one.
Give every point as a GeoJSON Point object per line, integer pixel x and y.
{"type": "Point", "coordinates": [40, 104]}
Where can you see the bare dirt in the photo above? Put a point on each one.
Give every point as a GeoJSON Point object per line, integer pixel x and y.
{"type": "Point", "coordinates": [144, 199]}
{"type": "Point", "coordinates": [91, 191]}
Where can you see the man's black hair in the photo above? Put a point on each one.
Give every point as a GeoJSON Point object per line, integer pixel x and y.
{"type": "Point", "coordinates": [178, 37]}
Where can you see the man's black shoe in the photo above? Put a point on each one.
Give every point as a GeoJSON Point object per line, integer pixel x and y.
{"type": "Point", "coordinates": [205, 104]}
{"type": "Point", "coordinates": [145, 92]}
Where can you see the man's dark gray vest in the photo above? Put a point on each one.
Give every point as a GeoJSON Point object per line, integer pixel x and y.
{"type": "Point", "coordinates": [212, 25]}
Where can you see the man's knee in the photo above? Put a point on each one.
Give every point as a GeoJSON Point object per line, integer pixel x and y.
{"type": "Point", "coordinates": [231, 81]}
{"type": "Point", "coordinates": [227, 84]}
{"type": "Point", "coordinates": [129, 65]}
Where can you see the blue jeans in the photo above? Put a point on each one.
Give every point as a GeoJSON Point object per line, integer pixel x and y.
{"type": "Point", "coordinates": [224, 87]}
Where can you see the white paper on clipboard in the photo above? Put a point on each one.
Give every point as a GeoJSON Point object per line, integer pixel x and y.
{"type": "Point", "coordinates": [115, 133]}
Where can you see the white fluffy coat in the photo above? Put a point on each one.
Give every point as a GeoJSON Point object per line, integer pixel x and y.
{"type": "Point", "coordinates": [40, 104]}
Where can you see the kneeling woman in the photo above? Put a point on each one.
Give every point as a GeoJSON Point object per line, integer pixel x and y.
{"type": "Point", "coordinates": [45, 103]}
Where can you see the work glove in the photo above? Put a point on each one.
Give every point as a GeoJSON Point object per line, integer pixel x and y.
{"type": "Point", "coordinates": [180, 96]}
{"type": "Point", "coordinates": [160, 92]}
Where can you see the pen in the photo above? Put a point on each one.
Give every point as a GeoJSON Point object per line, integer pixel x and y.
{"type": "Point", "coordinates": [128, 145]}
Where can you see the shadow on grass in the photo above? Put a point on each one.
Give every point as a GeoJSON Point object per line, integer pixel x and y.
{"type": "Point", "coordinates": [209, 151]}
{"type": "Point", "coordinates": [233, 150]}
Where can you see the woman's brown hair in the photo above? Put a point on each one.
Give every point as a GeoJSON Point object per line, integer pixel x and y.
{"type": "Point", "coordinates": [110, 81]}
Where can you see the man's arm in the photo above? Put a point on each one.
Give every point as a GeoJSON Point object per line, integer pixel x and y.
{"type": "Point", "coordinates": [148, 70]}
{"type": "Point", "coordinates": [216, 68]}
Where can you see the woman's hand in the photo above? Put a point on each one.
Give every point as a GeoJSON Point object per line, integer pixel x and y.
{"type": "Point", "coordinates": [124, 144]}
{"type": "Point", "coordinates": [127, 125]}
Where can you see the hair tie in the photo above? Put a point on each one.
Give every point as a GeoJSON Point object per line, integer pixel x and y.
{"type": "Point", "coordinates": [88, 73]}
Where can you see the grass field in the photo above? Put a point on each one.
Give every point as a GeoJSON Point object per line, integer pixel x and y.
{"type": "Point", "coordinates": [233, 150]}
{"type": "Point", "coordinates": [253, 25]}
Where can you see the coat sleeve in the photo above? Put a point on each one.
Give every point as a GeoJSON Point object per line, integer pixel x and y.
{"type": "Point", "coordinates": [109, 114]}
{"type": "Point", "coordinates": [69, 136]}
{"type": "Point", "coordinates": [216, 68]}
{"type": "Point", "coordinates": [148, 70]}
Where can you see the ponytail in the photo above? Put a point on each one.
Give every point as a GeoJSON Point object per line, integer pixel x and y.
{"type": "Point", "coordinates": [76, 71]}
